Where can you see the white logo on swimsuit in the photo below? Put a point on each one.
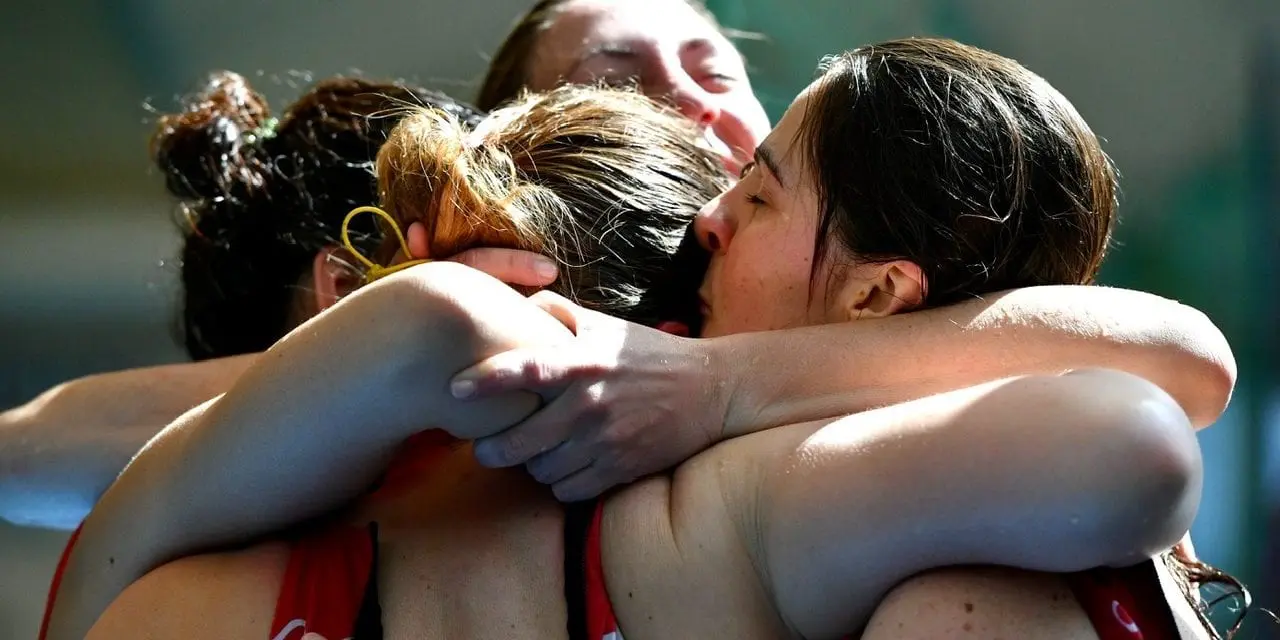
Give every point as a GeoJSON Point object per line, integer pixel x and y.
{"type": "Point", "coordinates": [613, 635]}
{"type": "Point", "coordinates": [299, 623]}
{"type": "Point", "coordinates": [1123, 617]}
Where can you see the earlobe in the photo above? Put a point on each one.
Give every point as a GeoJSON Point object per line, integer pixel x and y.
{"type": "Point", "coordinates": [892, 288]}
{"type": "Point", "coordinates": [332, 277]}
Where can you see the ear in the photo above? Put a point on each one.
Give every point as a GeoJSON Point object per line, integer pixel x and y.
{"type": "Point", "coordinates": [332, 277]}
{"type": "Point", "coordinates": [880, 290]}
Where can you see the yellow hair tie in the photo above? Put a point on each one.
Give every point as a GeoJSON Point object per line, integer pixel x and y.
{"type": "Point", "coordinates": [374, 271]}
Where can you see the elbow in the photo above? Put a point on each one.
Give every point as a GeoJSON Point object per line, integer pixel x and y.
{"type": "Point", "coordinates": [429, 295]}
{"type": "Point", "coordinates": [1205, 358]}
{"type": "Point", "coordinates": [1159, 467]}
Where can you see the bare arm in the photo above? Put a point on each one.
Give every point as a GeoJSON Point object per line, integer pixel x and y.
{"type": "Point", "coordinates": [305, 430]}
{"type": "Point", "coordinates": [60, 451]}
{"type": "Point", "coordinates": [818, 372]}
{"type": "Point", "coordinates": [1049, 473]}
{"type": "Point", "coordinates": [635, 401]}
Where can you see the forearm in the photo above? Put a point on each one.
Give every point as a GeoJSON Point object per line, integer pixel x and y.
{"type": "Point", "coordinates": [219, 474]}
{"type": "Point", "coordinates": [304, 431]}
{"type": "Point", "coordinates": [60, 451]}
{"type": "Point", "coordinates": [47, 481]}
{"type": "Point", "coordinates": [782, 377]}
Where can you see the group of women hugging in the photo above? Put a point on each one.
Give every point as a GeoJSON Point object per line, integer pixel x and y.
{"type": "Point", "coordinates": [605, 355]}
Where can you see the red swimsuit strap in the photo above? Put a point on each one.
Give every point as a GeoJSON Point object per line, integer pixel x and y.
{"type": "Point", "coordinates": [1125, 603]}
{"type": "Point", "coordinates": [57, 582]}
{"type": "Point", "coordinates": [601, 621]}
{"type": "Point", "coordinates": [324, 584]}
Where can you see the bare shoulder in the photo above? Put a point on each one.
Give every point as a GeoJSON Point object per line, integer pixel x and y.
{"type": "Point", "coordinates": [217, 595]}
{"type": "Point", "coordinates": [980, 602]}
{"type": "Point", "coordinates": [687, 544]}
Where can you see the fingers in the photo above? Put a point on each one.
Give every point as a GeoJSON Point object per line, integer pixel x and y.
{"type": "Point", "coordinates": [551, 467]}
{"type": "Point", "coordinates": [511, 266]}
{"type": "Point", "coordinates": [544, 371]}
{"type": "Point", "coordinates": [416, 238]}
{"type": "Point", "coordinates": [541, 432]}
{"type": "Point", "coordinates": [1185, 549]}
{"type": "Point", "coordinates": [583, 485]}
{"type": "Point", "coordinates": [560, 308]}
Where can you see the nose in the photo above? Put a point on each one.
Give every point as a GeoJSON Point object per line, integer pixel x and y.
{"type": "Point", "coordinates": [696, 104]}
{"type": "Point", "coordinates": [678, 88]}
{"type": "Point", "coordinates": [714, 226]}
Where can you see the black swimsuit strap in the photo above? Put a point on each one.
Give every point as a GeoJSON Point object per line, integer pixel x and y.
{"type": "Point", "coordinates": [577, 523]}
{"type": "Point", "coordinates": [369, 620]}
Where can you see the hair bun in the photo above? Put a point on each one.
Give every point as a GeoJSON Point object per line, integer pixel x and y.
{"type": "Point", "coordinates": [205, 151]}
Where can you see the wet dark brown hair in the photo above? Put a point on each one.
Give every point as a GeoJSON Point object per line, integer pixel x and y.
{"type": "Point", "coordinates": [602, 180]}
{"type": "Point", "coordinates": [509, 70]}
{"type": "Point", "coordinates": [258, 198]}
{"type": "Point", "coordinates": [961, 161]}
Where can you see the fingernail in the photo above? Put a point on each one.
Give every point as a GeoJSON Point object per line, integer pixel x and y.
{"type": "Point", "coordinates": [462, 388]}
{"type": "Point", "coordinates": [482, 451]}
{"type": "Point", "coordinates": [545, 268]}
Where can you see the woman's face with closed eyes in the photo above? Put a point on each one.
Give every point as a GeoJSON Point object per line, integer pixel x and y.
{"type": "Point", "coordinates": [670, 52]}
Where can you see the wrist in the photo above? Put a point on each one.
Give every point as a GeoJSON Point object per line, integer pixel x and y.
{"type": "Point", "coordinates": [722, 370]}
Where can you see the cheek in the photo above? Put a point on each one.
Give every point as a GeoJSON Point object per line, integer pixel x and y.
{"type": "Point", "coordinates": [770, 280]}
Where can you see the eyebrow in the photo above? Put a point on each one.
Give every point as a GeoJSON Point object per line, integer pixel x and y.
{"type": "Point", "coordinates": [765, 157]}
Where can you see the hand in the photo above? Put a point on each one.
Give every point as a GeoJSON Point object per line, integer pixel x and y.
{"type": "Point", "coordinates": [1185, 549]}
{"type": "Point", "coordinates": [623, 401]}
{"type": "Point", "coordinates": [512, 266]}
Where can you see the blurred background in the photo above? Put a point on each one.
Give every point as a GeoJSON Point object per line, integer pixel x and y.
{"type": "Point", "coordinates": [1186, 94]}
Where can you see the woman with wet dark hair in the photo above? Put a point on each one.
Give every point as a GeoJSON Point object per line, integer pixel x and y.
{"type": "Point", "coordinates": [261, 199]}
{"type": "Point", "coordinates": [1067, 472]}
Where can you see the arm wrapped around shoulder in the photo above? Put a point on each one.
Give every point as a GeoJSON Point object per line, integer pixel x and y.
{"type": "Point", "coordinates": [1050, 473]}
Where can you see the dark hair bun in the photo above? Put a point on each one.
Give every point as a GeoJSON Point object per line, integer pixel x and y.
{"type": "Point", "coordinates": [206, 149]}
{"type": "Point", "coordinates": [258, 199]}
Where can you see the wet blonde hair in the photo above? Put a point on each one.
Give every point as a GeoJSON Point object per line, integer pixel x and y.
{"type": "Point", "coordinates": [602, 180]}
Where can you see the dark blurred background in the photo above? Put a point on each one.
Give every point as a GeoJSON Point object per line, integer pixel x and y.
{"type": "Point", "coordinates": [1185, 92]}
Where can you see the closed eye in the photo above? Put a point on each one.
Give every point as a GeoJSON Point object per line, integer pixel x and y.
{"type": "Point", "coordinates": [753, 198]}
{"type": "Point", "coordinates": [719, 81]}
